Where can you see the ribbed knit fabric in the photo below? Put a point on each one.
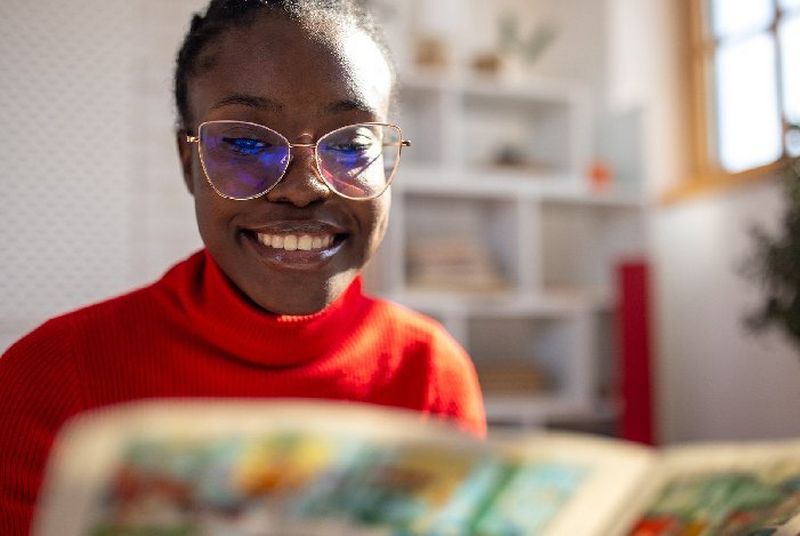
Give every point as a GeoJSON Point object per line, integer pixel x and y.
{"type": "Point", "coordinates": [192, 334]}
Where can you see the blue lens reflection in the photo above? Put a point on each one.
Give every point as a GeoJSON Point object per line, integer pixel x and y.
{"type": "Point", "coordinates": [246, 146]}
{"type": "Point", "coordinates": [348, 153]}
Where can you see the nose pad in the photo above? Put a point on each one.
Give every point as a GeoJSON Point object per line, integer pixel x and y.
{"type": "Point", "coordinates": [301, 185]}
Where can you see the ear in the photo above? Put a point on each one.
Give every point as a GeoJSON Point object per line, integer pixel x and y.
{"type": "Point", "coordinates": [185, 153]}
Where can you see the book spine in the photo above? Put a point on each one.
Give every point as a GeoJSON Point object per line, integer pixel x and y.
{"type": "Point", "coordinates": [636, 393]}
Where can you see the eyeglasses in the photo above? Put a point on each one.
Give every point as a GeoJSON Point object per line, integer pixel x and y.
{"type": "Point", "coordinates": [243, 160]}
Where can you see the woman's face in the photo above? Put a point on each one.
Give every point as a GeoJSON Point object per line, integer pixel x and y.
{"type": "Point", "coordinates": [271, 72]}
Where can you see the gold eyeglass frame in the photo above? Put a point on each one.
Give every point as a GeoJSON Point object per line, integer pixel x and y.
{"type": "Point", "coordinates": [190, 138]}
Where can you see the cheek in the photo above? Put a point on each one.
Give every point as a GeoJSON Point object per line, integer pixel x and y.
{"type": "Point", "coordinates": [210, 210]}
{"type": "Point", "coordinates": [385, 210]}
{"type": "Point", "coordinates": [379, 219]}
{"type": "Point", "coordinates": [202, 201]}
{"type": "Point", "coordinates": [198, 176]}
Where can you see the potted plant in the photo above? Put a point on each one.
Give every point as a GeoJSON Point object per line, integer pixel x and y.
{"type": "Point", "coordinates": [775, 265]}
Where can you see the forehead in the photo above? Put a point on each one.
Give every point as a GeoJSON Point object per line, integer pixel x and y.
{"type": "Point", "coordinates": [299, 69]}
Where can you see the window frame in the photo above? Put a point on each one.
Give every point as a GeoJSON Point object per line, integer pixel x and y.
{"type": "Point", "coordinates": [706, 172]}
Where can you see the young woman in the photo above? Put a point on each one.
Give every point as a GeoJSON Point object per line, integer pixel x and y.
{"type": "Point", "coordinates": [285, 144]}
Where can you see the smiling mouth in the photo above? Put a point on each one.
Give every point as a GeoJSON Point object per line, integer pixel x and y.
{"type": "Point", "coordinates": [302, 249]}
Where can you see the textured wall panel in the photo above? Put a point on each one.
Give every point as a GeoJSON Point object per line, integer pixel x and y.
{"type": "Point", "coordinates": [93, 202]}
{"type": "Point", "coordinates": [65, 107]}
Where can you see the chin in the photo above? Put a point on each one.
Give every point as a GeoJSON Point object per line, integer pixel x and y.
{"type": "Point", "coordinates": [300, 294]}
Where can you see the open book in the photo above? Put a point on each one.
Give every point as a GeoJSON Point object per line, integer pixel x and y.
{"type": "Point", "coordinates": [324, 468]}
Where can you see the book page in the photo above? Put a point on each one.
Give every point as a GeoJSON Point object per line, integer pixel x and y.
{"type": "Point", "coordinates": [588, 480]}
{"type": "Point", "coordinates": [291, 468]}
{"type": "Point", "coordinates": [736, 488]}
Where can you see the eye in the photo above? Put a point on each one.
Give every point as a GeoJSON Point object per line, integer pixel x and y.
{"type": "Point", "coordinates": [350, 147]}
{"type": "Point", "coordinates": [355, 150]}
{"type": "Point", "coordinates": [246, 146]}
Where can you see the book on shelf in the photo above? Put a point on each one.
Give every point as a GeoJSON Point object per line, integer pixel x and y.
{"type": "Point", "coordinates": [452, 263]}
{"type": "Point", "coordinates": [512, 376]}
{"type": "Point", "coordinates": [334, 468]}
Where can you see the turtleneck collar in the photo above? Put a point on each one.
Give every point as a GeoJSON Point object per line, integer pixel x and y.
{"type": "Point", "coordinates": [224, 318]}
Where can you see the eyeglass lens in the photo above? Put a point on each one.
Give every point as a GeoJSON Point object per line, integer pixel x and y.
{"type": "Point", "coordinates": [244, 160]}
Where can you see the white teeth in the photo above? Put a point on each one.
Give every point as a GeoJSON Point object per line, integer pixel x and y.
{"type": "Point", "coordinates": [304, 243]}
{"type": "Point", "coordinates": [295, 242]}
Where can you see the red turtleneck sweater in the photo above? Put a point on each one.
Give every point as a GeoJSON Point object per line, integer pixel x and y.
{"type": "Point", "coordinates": [192, 335]}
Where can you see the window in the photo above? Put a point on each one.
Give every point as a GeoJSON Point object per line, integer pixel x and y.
{"type": "Point", "coordinates": [746, 70]}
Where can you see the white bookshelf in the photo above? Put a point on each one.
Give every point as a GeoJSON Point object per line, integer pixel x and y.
{"type": "Point", "coordinates": [551, 241]}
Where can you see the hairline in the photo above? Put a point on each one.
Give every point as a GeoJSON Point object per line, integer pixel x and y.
{"type": "Point", "coordinates": [325, 28]}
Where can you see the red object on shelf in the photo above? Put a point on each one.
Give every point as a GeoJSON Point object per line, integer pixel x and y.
{"type": "Point", "coordinates": [635, 367]}
{"type": "Point", "coordinates": [600, 175]}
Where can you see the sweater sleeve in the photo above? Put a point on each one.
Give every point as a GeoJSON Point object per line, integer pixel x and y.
{"type": "Point", "coordinates": [455, 391]}
{"type": "Point", "coordinates": [40, 391]}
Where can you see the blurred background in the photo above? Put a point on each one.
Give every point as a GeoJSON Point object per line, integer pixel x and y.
{"type": "Point", "coordinates": [576, 207]}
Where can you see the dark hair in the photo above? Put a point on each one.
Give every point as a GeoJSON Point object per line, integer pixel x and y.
{"type": "Point", "coordinates": [221, 15]}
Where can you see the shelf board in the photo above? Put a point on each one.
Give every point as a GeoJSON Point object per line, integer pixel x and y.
{"type": "Point", "coordinates": [503, 303]}
{"type": "Point", "coordinates": [534, 90]}
{"type": "Point", "coordinates": [484, 182]}
{"type": "Point", "coordinates": [530, 408]}
{"type": "Point", "coordinates": [531, 89]}
{"type": "Point", "coordinates": [603, 410]}
{"type": "Point", "coordinates": [611, 198]}
{"type": "Point", "coordinates": [597, 299]}
{"type": "Point", "coordinates": [546, 187]}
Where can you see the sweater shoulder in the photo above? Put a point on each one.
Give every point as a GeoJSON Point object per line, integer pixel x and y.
{"type": "Point", "coordinates": [60, 339]}
{"type": "Point", "coordinates": [101, 315]}
{"type": "Point", "coordinates": [453, 388]}
{"type": "Point", "coordinates": [420, 337]}
{"type": "Point", "coordinates": [120, 309]}
{"type": "Point", "coordinates": [56, 333]}
{"type": "Point", "coordinates": [112, 309]}
{"type": "Point", "coordinates": [406, 321]}
{"type": "Point", "coordinates": [452, 382]}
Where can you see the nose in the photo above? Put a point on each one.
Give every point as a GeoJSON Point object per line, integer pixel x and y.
{"type": "Point", "coordinates": [301, 185]}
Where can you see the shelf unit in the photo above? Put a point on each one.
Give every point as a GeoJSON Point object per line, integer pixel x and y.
{"type": "Point", "coordinates": [497, 233]}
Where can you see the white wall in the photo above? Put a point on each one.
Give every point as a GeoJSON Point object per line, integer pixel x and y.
{"type": "Point", "coordinates": [93, 199]}
{"type": "Point", "coordinates": [715, 380]}
{"type": "Point", "coordinates": [718, 381]}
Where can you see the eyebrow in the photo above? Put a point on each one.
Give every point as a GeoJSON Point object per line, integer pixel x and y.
{"type": "Point", "coordinates": [264, 103]}
{"type": "Point", "coordinates": [252, 101]}
{"type": "Point", "coordinates": [349, 105]}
